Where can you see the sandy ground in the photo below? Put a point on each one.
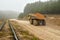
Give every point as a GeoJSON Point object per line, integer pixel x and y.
{"type": "Point", "coordinates": [43, 32]}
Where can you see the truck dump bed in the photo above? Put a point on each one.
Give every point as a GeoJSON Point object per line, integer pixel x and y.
{"type": "Point", "coordinates": [38, 16]}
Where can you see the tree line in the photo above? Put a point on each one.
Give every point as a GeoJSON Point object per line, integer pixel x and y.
{"type": "Point", "coordinates": [49, 7]}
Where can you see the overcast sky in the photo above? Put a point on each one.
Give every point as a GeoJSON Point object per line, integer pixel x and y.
{"type": "Point", "coordinates": [15, 5]}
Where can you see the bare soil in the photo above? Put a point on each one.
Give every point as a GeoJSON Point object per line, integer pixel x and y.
{"type": "Point", "coordinates": [48, 32]}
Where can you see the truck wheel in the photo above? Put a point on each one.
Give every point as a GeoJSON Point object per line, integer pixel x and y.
{"type": "Point", "coordinates": [35, 22]}
{"type": "Point", "coordinates": [31, 21]}
{"type": "Point", "coordinates": [42, 22]}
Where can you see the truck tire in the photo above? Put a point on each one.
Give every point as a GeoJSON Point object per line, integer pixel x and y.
{"type": "Point", "coordinates": [31, 21]}
{"type": "Point", "coordinates": [35, 22]}
{"type": "Point", "coordinates": [42, 22]}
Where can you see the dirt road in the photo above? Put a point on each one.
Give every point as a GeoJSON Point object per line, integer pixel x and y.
{"type": "Point", "coordinates": [43, 32]}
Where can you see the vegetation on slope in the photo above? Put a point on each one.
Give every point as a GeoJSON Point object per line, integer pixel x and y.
{"type": "Point", "coordinates": [24, 34]}
{"type": "Point", "coordinates": [49, 7]}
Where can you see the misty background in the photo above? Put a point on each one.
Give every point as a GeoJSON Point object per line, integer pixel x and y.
{"type": "Point", "coordinates": [12, 8]}
{"type": "Point", "coordinates": [21, 8]}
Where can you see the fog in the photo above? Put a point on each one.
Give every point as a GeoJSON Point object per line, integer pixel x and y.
{"type": "Point", "coordinates": [14, 5]}
{"type": "Point", "coordinates": [12, 8]}
{"type": "Point", "coordinates": [8, 14]}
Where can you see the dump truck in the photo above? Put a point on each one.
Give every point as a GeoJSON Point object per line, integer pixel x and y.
{"type": "Point", "coordinates": [37, 19]}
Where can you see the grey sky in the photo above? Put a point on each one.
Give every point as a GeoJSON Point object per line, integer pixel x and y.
{"type": "Point", "coordinates": [15, 5]}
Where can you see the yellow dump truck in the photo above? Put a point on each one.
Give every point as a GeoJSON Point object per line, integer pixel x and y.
{"type": "Point", "coordinates": [37, 19]}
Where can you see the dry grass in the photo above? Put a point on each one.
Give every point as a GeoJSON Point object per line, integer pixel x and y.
{"type": "Point", "coordinates": [5, 33]}
{"type": "Point", "coordinates": [25, 34]}
{"type": "Point", "coordinates": [1, 22]}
